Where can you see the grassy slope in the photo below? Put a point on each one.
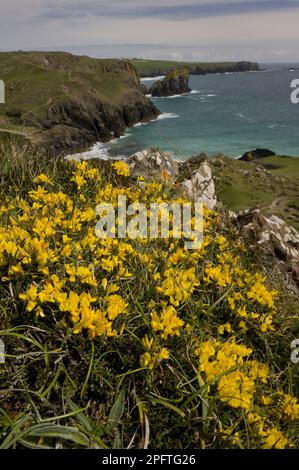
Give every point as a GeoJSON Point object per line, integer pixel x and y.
{"type": "Point", "coordinates": [36, 80]}
{"type": "Point", "coordinates": [276, 192]}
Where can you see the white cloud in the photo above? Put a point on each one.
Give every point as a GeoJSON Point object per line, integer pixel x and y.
{"type": "Point", "coordinates": [260, 35]}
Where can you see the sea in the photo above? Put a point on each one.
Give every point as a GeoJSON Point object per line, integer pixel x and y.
{"type": "Point", "coordinates": [228, 113]}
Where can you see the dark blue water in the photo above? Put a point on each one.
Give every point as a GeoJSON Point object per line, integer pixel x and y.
{"type": "Point", "coordinates": [227, 113]}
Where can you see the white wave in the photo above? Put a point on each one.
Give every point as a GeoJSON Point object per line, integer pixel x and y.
{"type": "Point", "coordinates": [99, 150]}
{"type": "Point", "coordinates": [167, 116]}
{"type": "Point", "coordinates": [124, 136]}
{"type": "Point", "coordinates": [192, 92]}
{"type": "Point", "coordinates": [170, 97]}
{"type": "Point", "coordinates": [150, 79]}
{"type": "Point", "coordinates": [275, 126]}
{"type": "Point", "coordinates": [240, 115]}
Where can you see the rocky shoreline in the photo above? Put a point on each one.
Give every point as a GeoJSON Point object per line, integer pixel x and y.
{"type": "Point", "coordinates": [73, 126]}
{"type": "Point", "coordinates": [79, 101]}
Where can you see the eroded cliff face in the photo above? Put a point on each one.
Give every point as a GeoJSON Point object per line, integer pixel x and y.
{"type": "Point", "coordinates": [67, 102]}
{"type": "Point", "coordinates": [72, 125]}
{"type": "Point", "coordinates": [175, 83]}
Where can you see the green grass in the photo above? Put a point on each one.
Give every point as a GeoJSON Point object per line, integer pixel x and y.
{"type": "Point", "coordinates": [240, 186]}
{"type": "Point", "coordinates": [160, 67]}
{"type": "Point", "coordinates": [36, 80]}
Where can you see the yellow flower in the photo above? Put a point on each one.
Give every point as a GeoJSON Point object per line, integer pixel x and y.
{"type": "Point", "coordinates": [42, 178]}
{"type": "Point", "coordinates": [265, 400]}
{"type": "Point", "coordinates": [289, 407]}
{"type": "Point", "coordinates": [274, 440]}
{"type": "Point", "coordinates": [168, 322]}
{"type": "Point", "coordinates": [163, 354]}
{"type": "Point", "coordinates": [178, 284]}
{"type": "Point", "coordinates": [236, 389]}
{"type": "Point", "coordinates": [116, 306]}
{"type": "Point", "coordinates": [224, 328]}
{"type": "Point", "coordinates": [260, 294]}
{"type": "Point", "coordinates": [31, 297]}
{"type": "Point", "coordinates": [79, 180]}
{"type": "Point", "coordinates": [80, 274]}
{"type": "Point", "coordinates": [121, 168]}
{"type": "Point", "coordinates": [219, 274]}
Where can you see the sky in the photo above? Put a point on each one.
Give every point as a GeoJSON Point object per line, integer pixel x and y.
{"type": "Point", "coordinates": [199, 30]}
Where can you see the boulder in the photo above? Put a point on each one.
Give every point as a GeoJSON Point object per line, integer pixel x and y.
{"type": "Point", "coordinates": [153, 163]}
{"type": "Point", "coordinates": [257, 154]}
{"type": "Point", "coordinates": [175, 83]}
{"type": "Point", "coordinates": [278, 238]}
{"type": "Point", "coordinates": [200, 187]}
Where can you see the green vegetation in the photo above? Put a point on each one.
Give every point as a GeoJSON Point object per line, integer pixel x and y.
{"type": "Point", "coordinates": [131, 343]}
{"type": "Point", "coordinates": [147, 68]}
{"type": "Point", "coordinates": [36, 80]}
{"type": "Point", "coordinates": [271, 184]}
{"type": "Point", "coordinates": [63, 102]}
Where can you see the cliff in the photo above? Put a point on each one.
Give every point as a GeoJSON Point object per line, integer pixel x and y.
{"type": "Point", "coordinates": [155, 68]}
{"type": "Point", "coordinates": [63, 102]}
{"type": "Point", "coordinates": [175, 83]}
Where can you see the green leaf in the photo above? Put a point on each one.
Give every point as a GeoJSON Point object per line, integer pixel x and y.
{"type": "Point", "coordinates": [116, 412]}
{"type": "Point", "coordinates": [169, 405]}
{"type": "Point", "coordinates": [62, 432]}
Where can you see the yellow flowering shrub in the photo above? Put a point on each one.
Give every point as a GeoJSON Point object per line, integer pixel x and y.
{"type": "Point", "coordinates": [194, 335]}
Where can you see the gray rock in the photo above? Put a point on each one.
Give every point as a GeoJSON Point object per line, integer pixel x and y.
{"type": "Point", "coordinates": [257, 154]}
{"type": "Point", "coordinates": [275, 236]}
{"type": "Point", "coordinates": [200, 187]}
{"type": "Point", "coordinates": [153, 163]}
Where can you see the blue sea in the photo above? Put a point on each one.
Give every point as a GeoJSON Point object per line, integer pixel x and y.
{"type": "Point", "coordinates": [227, 113]}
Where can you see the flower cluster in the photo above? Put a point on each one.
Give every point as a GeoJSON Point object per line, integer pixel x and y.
{"type": "Point", "coordinates": [199, 310]}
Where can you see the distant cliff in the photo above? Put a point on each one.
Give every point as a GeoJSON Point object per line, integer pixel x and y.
{"type": "Point", "coordinates": [155, 68]}
{"type": "Point", "coordinates": [64, 102]}
{"type": "Point", "coordinates": [175, 83]}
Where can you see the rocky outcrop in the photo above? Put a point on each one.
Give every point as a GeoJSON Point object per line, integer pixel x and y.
{"type": "Point", "coordinates": [257, 154]}
{"type": "Point", "coordinates": [76, 124]}
{"type": "Point", "coordinates": [153, 163]}
{"type": "Point", "coordinates": [175, 83]}
{"type": "Point", "coordinates": [193, 178]}
{"type": "Point", "coordinates": [200, 186]}
{"type": "Point", "coordinates": [277, 238]}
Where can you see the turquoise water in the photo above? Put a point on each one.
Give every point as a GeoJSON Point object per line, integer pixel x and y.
{"type": "Point", "coordinates": [227, 113]}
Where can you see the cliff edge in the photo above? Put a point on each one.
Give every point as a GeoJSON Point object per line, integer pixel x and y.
{"type": "Point", "coordinates": [63, 102]}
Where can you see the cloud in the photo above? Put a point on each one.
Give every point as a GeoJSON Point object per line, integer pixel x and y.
{"type": "Point", "coordinates": [168, 9]}
{"type": "Point", "coordinates": [263, 30]}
